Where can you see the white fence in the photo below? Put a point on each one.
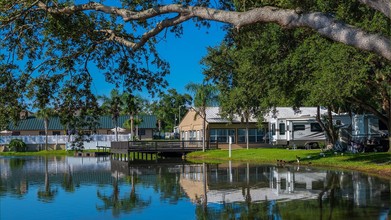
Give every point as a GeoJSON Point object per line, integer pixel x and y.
{"type": "Point", "coordinates": [63, 139]}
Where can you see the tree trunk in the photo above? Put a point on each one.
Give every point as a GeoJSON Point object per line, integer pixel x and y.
{"type": "Point", "coordinates": [46, 122]}
{"type": "Point", "coordinates": [247, 125]}
{"type": "Point", "coordinates": [131, 127]}
{"type": "Point", "coordinates": [319, 120]}
{"type": "Point", "coordinates": [116, 132]}
{"type": "Point", "coordinates": [327, 129]}
{"type": "Point", "coordinates": [136, 133]}
{"type": "Point", "coordinates": [389, 128]}
{"type": "Point", "coordinates": [203, 129]}
{"type": "Point", "coordinates": [332, 132]}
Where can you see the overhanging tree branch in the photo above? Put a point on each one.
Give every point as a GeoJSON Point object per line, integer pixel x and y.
{"type": "Point", "coordinates": [369, 108]}
{"type": "Point", "coordinates": [321, 23]}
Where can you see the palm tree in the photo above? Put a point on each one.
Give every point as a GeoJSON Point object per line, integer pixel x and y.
{"type": "Point", "coordinates": [45, 114]}
{"type": "Point", "coordinates": [112, 105]}
{"type": "Point", "coordinates": [132, 106]}
{"type": "Point", "coordinates": [204, 95]}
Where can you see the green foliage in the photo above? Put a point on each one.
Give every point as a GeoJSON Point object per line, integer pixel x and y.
{"type": "Point", "coordinates": [11, 93]}
{"type": "Point", "coordinates": [16, 163]}
{"type": "Point", "coordinates": [170, 108]}
{"type": "Point", "coordinates": [17, 145]}
{"type": "Point", "coordinates": [265, 65]}
{"type": "Point", "coordinates": [46, 55]}
{"type": "Point", "coordinates": [205, 94]}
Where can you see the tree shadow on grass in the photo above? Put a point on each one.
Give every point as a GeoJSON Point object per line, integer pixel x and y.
{"type": "Point", "coordinates": [374, 158]}
{"type": "Point", "coordinates": [378, 158]}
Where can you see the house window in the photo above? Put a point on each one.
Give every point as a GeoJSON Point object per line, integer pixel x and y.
{"type": "Point", "coordinates": [254, 136]}
{"type": "Point", "coordinates": [16, 133]}
{"type": "Point", "coordinates": [192, 135]}
{"type": "Point", "coordinates": [56, 133]}
{"type": "Point", "coordinates": [298, 127]}
{"type": "Point", "coordinates": [141, 131]}
{"type": "Point", "coordinates": [316, 127]}
{"type": "Point", "coordinates": [222, 135]}
{"type": "Point", "coordinates": [41, 132]}
{"type": "Point", "coordinates": [282, 128]}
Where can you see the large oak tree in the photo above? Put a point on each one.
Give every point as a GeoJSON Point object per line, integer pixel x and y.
{"type": "Point", "coordinates": [56, 37]}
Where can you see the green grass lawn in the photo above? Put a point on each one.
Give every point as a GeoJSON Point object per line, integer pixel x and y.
{"type": "Point", "coordinates": [374, 163]}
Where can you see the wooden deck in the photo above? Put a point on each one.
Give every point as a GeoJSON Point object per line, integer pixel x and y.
{"type": "Point", "coordinates": [152, 147]}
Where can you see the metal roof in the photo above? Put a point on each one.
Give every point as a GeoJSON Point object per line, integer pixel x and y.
{"type": "Point", "coordinates": [105, 122]}
{"type": "Point", "coordinates": [213, 115]}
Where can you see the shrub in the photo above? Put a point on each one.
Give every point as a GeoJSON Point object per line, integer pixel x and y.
{"type": "Point", "coordinates": [17, 145]}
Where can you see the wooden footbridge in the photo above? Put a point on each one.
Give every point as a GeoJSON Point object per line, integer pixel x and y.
{"type": "Point", "coordinates": [181, 148]}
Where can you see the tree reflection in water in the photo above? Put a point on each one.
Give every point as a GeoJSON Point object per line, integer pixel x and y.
{"type": "Point", "coordinates": [47, 194]}
{"type": "Point", "coordinates": [67, 182]}
{"type": "Point", "coordinates": [202, 191]}
{"type": "Point", "coordinates": [339, 195]}
{"type": "Point", "coordinates": [126, 204]}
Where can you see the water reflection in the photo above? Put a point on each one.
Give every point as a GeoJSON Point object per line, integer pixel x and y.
{"type": "Point", "coordinates": [118, 204]}
{"type": "Point", "coordinates": [122, 189]}
{"type": "Point", "coordinates": [285, 193]}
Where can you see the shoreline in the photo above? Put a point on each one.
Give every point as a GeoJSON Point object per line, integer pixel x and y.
{"type": "Point", "coordinates": [378, 164]}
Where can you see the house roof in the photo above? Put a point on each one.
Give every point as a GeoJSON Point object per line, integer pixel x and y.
{"type": "Point", "coordinates": [105, 122]}
{"type": "Point", "coordinates": [213, 115]}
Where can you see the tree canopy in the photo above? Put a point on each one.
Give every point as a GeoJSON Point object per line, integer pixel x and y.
{"type": "Point", "coordinates": [63, 38]}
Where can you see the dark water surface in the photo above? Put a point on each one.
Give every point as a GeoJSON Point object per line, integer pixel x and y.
{"type": "Point", "coordinates": [98, 188]}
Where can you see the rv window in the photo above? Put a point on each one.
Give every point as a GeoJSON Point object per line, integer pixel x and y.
{"type": "Point", "coordinates": [282, 128]}
{"type": "Point", "coordinates": [316, 127]}
{"type": "Point", "coordinates": [298, 127]}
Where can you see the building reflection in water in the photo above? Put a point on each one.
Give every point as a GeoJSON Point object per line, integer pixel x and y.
{"type": "Point", "coordinates": [225, 184]}
{"type": "Point", "coordinates": [217, 190]}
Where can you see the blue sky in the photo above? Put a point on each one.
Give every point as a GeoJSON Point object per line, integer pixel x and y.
{"type": "Point", "coordinates": [183, 54]}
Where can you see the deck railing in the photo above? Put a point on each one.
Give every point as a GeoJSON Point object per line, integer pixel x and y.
{"type": "Point", "coordinates": [160, 145]}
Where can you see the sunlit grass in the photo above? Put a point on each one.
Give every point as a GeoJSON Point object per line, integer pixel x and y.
{"type": "Point", "coordinates": [376, 163]}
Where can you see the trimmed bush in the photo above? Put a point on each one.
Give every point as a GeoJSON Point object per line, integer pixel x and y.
{"type": "Point", "coordinates": [17, 145]}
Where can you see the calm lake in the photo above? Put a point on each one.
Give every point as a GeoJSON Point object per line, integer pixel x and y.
{"type": "Point", "coordinates": [100, 188]}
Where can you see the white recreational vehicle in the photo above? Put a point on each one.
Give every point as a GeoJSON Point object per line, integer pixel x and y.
{"type": "Point", "coordinates": [300, 128]}
{"type": "Point", "coordinates": [288, 126]}
{"type": "Point", "coordinates": [300, 131]}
